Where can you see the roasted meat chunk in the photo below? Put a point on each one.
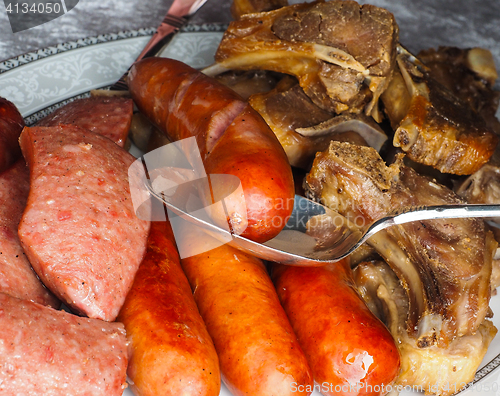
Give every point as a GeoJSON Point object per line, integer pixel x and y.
{"type": "Point", "coordinates": [433, 370]}
{"type": "Point", "coordinates": [444, 265]}
{"type": "Point", "coordinates": [470, 75]}
{"type": "Point", "coordinates": [342, 53]}
{"type": "Point", "coordinates": [304, 128]}
{"type": "Point", "coordinates": [432, 125]}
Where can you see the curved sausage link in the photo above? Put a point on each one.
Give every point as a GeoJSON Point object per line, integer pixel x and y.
{"type": "Point", "coordinates": [232, 138]}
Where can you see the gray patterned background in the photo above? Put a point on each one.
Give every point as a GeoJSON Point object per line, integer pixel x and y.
{"type": "Point", "coordinates": [423, 23]}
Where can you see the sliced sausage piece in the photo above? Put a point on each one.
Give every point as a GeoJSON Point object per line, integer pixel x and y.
{"type": "Point", "coordinates": [11, 125]}
{"type": "Point", "coordinates": [232, 138]}
{"type": "Point", "coordinates": [350, 351]}
{"type": "Point", "coordinates": [49, 352]}
{"type": "Point", "coordinates": [79, 229]}
{"type": "Point", "coordinates": [258, 350]}
{"type": "Point", "coordinates": [109, 116]}
{"type": "Point", "coordinates": [17, 278]}
{"type": "Point", "coordinates": [171, 352]}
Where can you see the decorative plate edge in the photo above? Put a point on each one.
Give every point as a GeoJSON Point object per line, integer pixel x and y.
{"type": "Point", "coordinates": [43, 53]}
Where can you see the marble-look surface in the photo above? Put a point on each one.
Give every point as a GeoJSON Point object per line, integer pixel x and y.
{"type": "Point", "coordinates": [423, 23]}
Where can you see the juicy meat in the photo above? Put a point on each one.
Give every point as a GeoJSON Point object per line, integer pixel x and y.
{"type": "Point", "coordinates": [433, 126]}
{"type": "Point", "coordinates": [433, 370]}
{"type": "Point", "coordinates": [342, 53]}
{"type": "Point", "coordinates": [286, 108]}
{"type": "Point", "coordinates": [17, 278]}
{"type": "Point", "coordinates": [49, 352]}
{"type": "Point", "coordinates": [109, 116]}
{"type": "Point", "coordinates": [470, 75]}
{"type": "Point", "coordinates": [444, 265]}
{"type": "Point", "coordinates": [304, 128]}
{"type": "Point", "coordinates": [79, 229]}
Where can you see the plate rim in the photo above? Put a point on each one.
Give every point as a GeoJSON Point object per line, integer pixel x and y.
{"type": "Point", "coordinates": [43, 53]}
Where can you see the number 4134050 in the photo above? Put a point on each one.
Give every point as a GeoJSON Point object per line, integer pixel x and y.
{"type": "Point", "coordinates": [35, 8]}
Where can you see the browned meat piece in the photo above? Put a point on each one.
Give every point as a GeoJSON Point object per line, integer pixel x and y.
{"type": "Point", "coordinates": [434, 127]}
{"type": "Point", "coordinates": [50, 352]}
{"type": "Point", "coordinates": [470, 75]}
{"type": "Point", "coordinates": [79, 229]}
{"type": "Point", "coordinates": [440, 371]}
{"type": "Point", "coordinates": [445, 265]}
{"type": "Point", "coordinates": [17, 278]}
{"type": "Point", "coordinates": [304, 128]}
{"type": "Point", "coordinates": [241, 7]}
{"type": "Point", "coordinates": [342, 53]}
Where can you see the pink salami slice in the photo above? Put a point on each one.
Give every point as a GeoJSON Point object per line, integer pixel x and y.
{"type": "Point", "coordinates": [50, 352]}
{"type": "Point", "coordinates": [17, 278]}
{"type": "Point", "coordinates": [108, 116]}
{"type": "Point", "coordinates": [79, 229]}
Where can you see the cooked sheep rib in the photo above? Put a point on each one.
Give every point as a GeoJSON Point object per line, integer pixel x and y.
{"type": "Point", "coordinates": [434, 127]}
{"type": "Point", "coordinates": [444, 265]}
{"type": "Point", "coordinates": [342, 53]}
{"type": "Point", "coordinates": [441, 371]}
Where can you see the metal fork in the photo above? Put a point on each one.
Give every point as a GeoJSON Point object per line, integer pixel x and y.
{"type": "Point", "coordinates": [294, 246]}
{"type": "Point", "coordinates": [177, 16]}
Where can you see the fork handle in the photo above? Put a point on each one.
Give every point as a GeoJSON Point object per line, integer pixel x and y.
{"type": "Point", "coordinates": [170, 25]}
{"type": "Point", "coordinates": [448, 212]}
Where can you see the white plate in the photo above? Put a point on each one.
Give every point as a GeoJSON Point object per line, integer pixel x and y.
{"type": "Point", "coordinates": [39, 82]}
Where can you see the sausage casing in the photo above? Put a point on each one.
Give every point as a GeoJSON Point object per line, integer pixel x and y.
{"type": "Point", "coordinates": [349, 350]}
{"type": "Point", "coordinates": [170, 351]}
{"type": "Point", "coordinates": [232, 138]}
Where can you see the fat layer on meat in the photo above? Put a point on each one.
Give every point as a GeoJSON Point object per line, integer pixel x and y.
{"type": "Point", "coordinates": [45, 352]}
{"type": "Point", "coordinates": [79, 229]}
{"type": "Point", "coordinates": [432, 125]}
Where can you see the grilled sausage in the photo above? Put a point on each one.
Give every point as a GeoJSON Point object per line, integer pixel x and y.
{"type": "Point", "coordinates": [171, 352]}
{"type": "Point", "coordinates": [349, 350]}
{"type": "Point", "coordinates": [232, 138]}
{"type": "Point", "coordinates": [258, 350]}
